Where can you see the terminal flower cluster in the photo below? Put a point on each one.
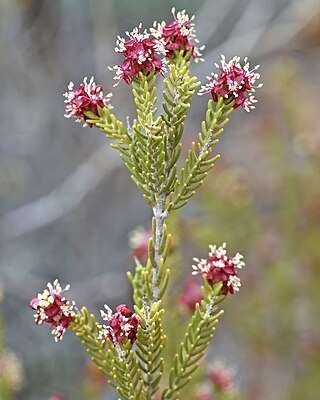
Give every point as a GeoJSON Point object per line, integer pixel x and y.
{"type": "Point", "coordinates": [145, 52]}
{"type": "Point", "coordinates": [178, 35]}
{"type": "Point", "coordinates": [87, 97]}
{"type": "Point", "coordinates": [141, 53]}
{"type": "Point", "coordinates": [122, 326]}
{"type": "Point", "coordinates": [53, 309]}
{"type": "Point", "coordinates": [220, 268]}
{"type": "Point", "coordinates": [234, 83]}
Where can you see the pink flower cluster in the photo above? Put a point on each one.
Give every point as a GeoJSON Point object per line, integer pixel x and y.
{"type": "Point", "coordinates": [235, 82]}
{"type": "Point", "coordinates": [145, 52]}
{"type": "Point", "coordinates": [220, 268]}
{"type": "Point", "coordinates": [178, 35]}
{"type": "Point", "coordinates": [141, 53]}
{"type": "Point", "coordinates": [123, 325]}
{"type": "Point", "coordinates": [85, 98]}
{"type": "Point", "coordinates": [53, 309]}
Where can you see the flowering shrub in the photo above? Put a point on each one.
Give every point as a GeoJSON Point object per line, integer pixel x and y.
{"type": "Point", "coordinates": [129, 347]}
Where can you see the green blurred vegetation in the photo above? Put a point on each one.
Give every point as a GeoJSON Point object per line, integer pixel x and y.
{"type": "Point", "coordinates": [11, 371]}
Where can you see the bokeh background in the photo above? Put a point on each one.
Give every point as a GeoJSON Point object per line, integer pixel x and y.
{"type": "Point", "coordinates": [67, 203]}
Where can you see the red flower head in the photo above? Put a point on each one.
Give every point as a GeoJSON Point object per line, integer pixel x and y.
{"type": "Point", "coordinates": [220, 268]}
{"type": "Point", "coordinates": [86, 98]}
{"type": "Point", "coordinates": [53, 309]}
{"type": "Point", "coordinates": [222, 377]}
{"type": "Point", "coordinates": [123, 325]}
{"type": "Point", "coordinates": [178, 35]}
{"type": "Point", "coordinates": [141, 55]}
{"type": "Point", "coordinates": [190, 294]}
{"type": "Point", "coordinates": [234, 83]}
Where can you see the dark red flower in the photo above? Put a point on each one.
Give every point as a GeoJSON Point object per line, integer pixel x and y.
{"type": "Point", "coordinates": [178, 35]}
{"type": "Point", "coordinates": [86, 98]}
{"type": "Point", "coordinates": [123, 325]}
{"type": "Point", "coordinates": [190, 294]}
{"type": "Point", "coordinates": [220, 268]}
{"type": "Point", "coordinates": [53, 309]}
{"type": "Point", "coordinates": [234, 83]}
{"type": "Point", "coordinates": [141, 55]}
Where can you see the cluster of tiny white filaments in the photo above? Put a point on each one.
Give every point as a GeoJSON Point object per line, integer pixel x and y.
{"type": "Point", "coordinates": [233, 86]}
{"type": "Point", "coordinates": [91, 90]}
{"type": "Point", "coordinates": [143, 56]}
{"type": "Point", "coordinates": [188, 31]}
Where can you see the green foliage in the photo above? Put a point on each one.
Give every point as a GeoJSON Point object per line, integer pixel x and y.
{"type": "Point", "coordinates": [113, 129]}
{"type": "Point", "coordinates": [196, 165]}
{"type": "Point", "coordinates": [150, 344]}
{"type": "Point", "coordinates": [87, 329]}
{"type": "Point", "coordinates": [197, 338]}
{"type": "Point", "coordinates": [122, 372]}
{"type": "Point", "coordinates": [127, 375]}
{"type": "Point", "coordinates": [178, 93]}
{"type": "Point", "coordinates": [147, 150]}
{"type": "Point", "coordinates": [142, 280]}
{"type": "Point", "coordinates": [141, 283]}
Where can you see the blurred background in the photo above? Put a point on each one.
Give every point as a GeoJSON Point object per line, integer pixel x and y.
{"type": "Point", "coordinates": [67, 203]}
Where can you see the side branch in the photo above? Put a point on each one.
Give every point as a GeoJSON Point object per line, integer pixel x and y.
{"type": "Point", "coordinates": [196, 166]}
{"type": "Point", "coordinates": [192, 349]}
